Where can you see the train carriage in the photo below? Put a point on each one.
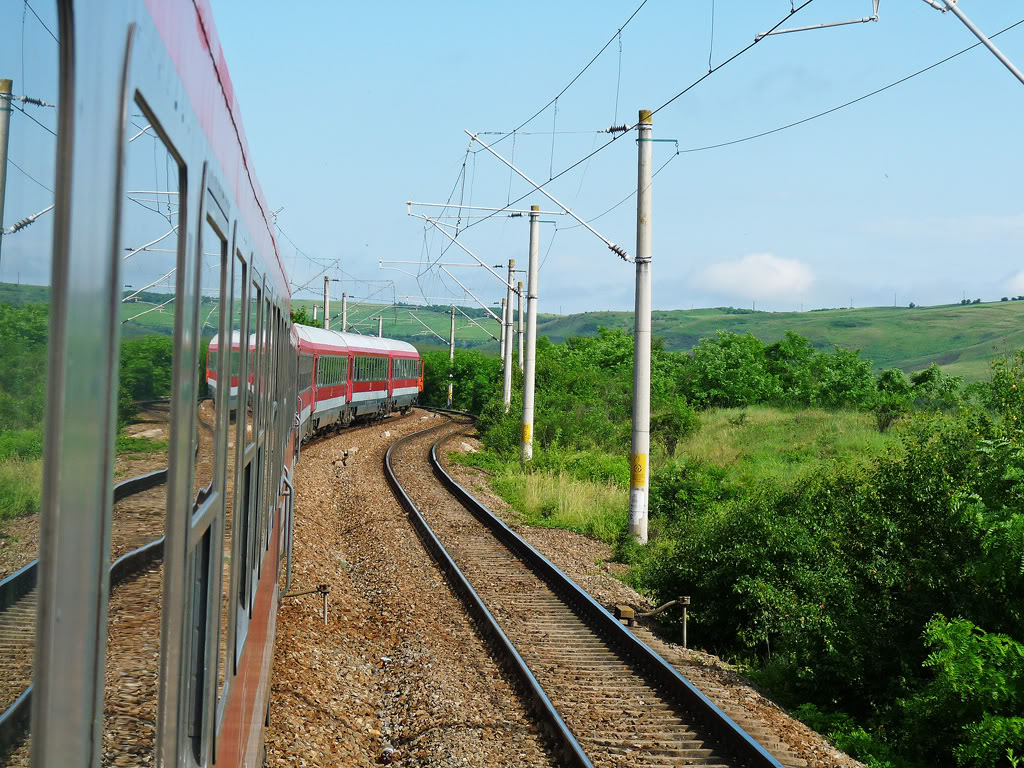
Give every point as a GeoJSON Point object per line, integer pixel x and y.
{"type": "Point", "coordinates": [146, 107]}
{"type": "Point", "coordinates": [347, 376]}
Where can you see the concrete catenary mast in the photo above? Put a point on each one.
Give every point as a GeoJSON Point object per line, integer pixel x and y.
{"type": "Point", "coordinates": [327, 303]}
{"type": "Point", "coordinates": [451, 355]}
{"type": "Point", "coordinates": [641, 448]}
{"type": "Point", "coordinates": [530, 363]}
{"type": "Point", "coordinates": [507, 351]}
{"type": "Point", "coordinates": [6, 87]}
{"type": "Point", "coordinates": [519, 293]}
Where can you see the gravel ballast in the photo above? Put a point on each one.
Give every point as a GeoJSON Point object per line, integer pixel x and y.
{"type": "Point", "coordinates": [586, 561]}
{"type": "Point", "coordinates": [400, 673]}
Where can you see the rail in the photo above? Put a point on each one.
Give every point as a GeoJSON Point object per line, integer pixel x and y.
{"type": "Point", "coordinates": [489, 627]}
{"type": "Point", "coordinates": [14, 719]}
{"type": "Point", "coordinates": [732, 739]}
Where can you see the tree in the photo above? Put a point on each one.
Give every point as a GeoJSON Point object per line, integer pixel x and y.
{"type": "Point", "coordinates": [912, 305]}
{"type": "Point", "coordinates": [301, 317]}
{"type": "Point", "coordinates": [1005, 298]}
{"type": "Point", "coordinates": [976, 301]}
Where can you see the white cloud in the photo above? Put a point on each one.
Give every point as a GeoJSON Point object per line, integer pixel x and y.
{"type": "Point", "coordinates": [1016, 284]}
{"type": "Point", "coordinates": [758, 276]}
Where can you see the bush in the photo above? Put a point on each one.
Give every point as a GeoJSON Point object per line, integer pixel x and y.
{"type": "Point", "coordinates": [21, 444]}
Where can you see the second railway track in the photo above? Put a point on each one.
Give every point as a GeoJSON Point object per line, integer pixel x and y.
{"type": "Point", "coordinates": [615, 701]}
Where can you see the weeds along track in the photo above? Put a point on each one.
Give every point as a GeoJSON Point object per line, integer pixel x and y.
{"type": "Point", "coordinates": [610, 700]}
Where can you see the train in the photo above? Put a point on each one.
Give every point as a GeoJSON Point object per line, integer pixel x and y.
{"type": "Point", "coordinates": [342, 377]}
{"type": "Point", "coordinates": [160, 226]}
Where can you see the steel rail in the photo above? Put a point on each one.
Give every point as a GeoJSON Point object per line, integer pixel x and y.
{"type": "Point", "coordinates": [14, 720]}
{"type": "Point", "coordinates": [485, 621]}
{"type": "Point", "coordinates": [731, 739]}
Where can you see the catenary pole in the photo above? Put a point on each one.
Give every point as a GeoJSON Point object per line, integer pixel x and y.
{"type": "Point", "coordinates": [327, 303]}
{"type": "Point", "coordinates": [501, 340]}
{"type": "Point", "coordinates": [6, 86]}
{"type": "Point", "coordinates": [641, 448]}
{"type": "Point", "coordinates": [530, 364]}
{"type": "Point", "coordinates": [519, 294]}
{"type": "Point", "coordinates": [315, 307]}
{"type": "Point", "coordinates": [344, 312]}
{"type": "Point", "coordinates": [380, 327]}
{"type": "Point", "coordinates": [451, 355]}
{"type": "Point", "coordinates": [507, 351]}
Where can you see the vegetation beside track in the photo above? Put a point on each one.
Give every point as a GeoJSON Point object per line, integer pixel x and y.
{"type": "Point", "coordinates": [856, 539]}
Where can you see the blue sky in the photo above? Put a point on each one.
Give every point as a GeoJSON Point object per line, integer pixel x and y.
{"type": "Point", "coordinates": [352, 109]}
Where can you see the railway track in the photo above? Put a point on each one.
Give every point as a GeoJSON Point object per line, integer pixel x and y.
{"type": "Point", "coordinates": [608, 699]}
{"type": "Point", "coordinates": [135, 579]}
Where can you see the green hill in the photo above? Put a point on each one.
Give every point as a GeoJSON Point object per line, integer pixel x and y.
{"type": "Point", "coordinates": [961, 339]}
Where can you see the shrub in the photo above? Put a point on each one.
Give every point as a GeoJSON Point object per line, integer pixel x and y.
{"type": "Point", "coordinates": [21, 444]}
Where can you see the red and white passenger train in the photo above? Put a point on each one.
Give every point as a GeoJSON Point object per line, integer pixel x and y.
{"type": "Point", "coordinates": [146, 108]}
{"type": "Point", "coordinates": [341, 376]}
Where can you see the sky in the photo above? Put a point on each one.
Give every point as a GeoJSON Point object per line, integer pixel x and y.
{"type": "Point", "coordinates": [351, 109]}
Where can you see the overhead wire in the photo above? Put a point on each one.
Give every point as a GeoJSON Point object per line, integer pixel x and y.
{"type": "Point", "coordinates": [27, 5]}
{"type": "Point", "coordinates": [798, 122]}
{"type": "Point", "coordinates": [735, 56]}
{"type": "Point", "coordinates": [628, 129]}
{"type": "Point", "coordinates": [26, 114]}
{"type": "Point", "coordinates": [577, 76]}
{"type": "Point", "coordinates": [848, 103]}
{"type": "Point", "coordinates": [711, 45]}
{"type": "Point", "coordinates": [30, 176]}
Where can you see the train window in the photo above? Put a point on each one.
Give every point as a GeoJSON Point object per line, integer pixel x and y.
{"type": "Point", "coordinates": [153, 280]}
{"type": "Point", "coordinates": [233, 400]}
{"type": "Point", "coordinates": [29, 172]}
{"type": "Point", "coordinates": [212, 262]}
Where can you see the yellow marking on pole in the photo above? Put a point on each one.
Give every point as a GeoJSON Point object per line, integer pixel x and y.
{"type": "Point", "coordinates": [527, 432]}
{"type": "Point", "coordinates": [639, 474]}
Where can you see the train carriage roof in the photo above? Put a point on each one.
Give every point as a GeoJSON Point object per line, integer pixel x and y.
{"type": "Point", "coordinates": [353, 342]}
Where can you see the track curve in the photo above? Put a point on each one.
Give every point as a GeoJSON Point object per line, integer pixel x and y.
{"type": "Point", "coordinates": [618, 701]}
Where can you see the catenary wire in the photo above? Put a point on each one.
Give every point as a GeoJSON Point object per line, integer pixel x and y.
{"type": "Point", "coordinates": [736, 55]}
{"type": "Point", "coordinates": [577, 77]}
{"type": "Point", "coordinates": [26, 114]}
{"type": "Point", "coordinates": [29, 175]}
{"type": "Point", "coordinates": [629, 129]}
{"type": "Point", "coordinates": [27, 5]}
{"type": "Point", "coordinates": [848, 103]}
{"type": "Point", "coordinates": [800, 122]}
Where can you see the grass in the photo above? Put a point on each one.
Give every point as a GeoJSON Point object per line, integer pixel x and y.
{"type": "Point", "coordinates": [21, 484]}
{"type": "Point", "coordinates": [754, 445]}
{"type": "Point", "coordinates": [762, 443]}
{"type": "Point", "coordinates": [126, 444]}
{"type": "Point", "coordinates": [551, 500]}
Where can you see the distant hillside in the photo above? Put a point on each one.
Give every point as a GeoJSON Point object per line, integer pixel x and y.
{"type": "Point", "coordinates": [962, 339]}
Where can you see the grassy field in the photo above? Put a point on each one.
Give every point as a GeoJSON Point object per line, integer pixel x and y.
{"type": "Point", "coordinates": [560, 501]}
{"type": "Point", "coordinates": [753, 445]}
{"type": "Point", "coordinates": [761, 443]}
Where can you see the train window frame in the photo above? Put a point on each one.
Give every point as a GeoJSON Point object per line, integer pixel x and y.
{"type": "Point", "coordinates": [239, 265]}
{"type": "Point", "coordinates": [204, 546]}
